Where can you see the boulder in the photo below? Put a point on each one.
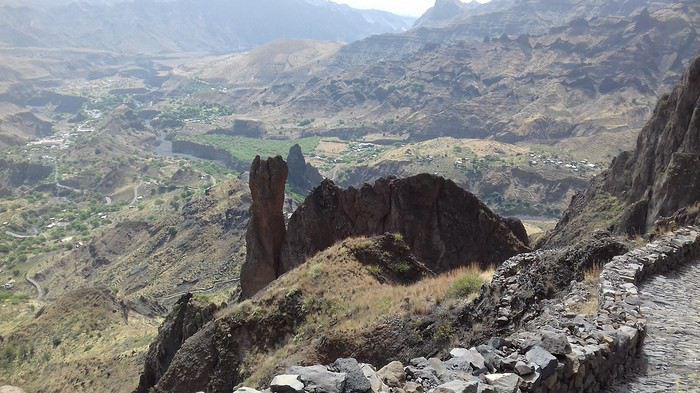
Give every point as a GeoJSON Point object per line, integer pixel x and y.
{"type": "Point", "coordinates": [266, 229]}
{"type": "Point", "coordinates": [412, 387]}
{"type": "Point", "coordinates": [286, 383]}
{"type": "Point", "coordinates": [318, 379]}
{"type": "Point", "coordinates": [458, 352]}
{"type": "Point", "coordinates": [356, 381]}
{"type": "Point", "coordinates": [555, 343]}
{"type": "Point", "coordinates": [246, 390]}
{"type": "Point", "coordinates": [426, 375]}
{"type": "Point", "coordinates": [544, 360]}
{"type": "Point", "coordinates": [503, 383]}
{"type": "Point", "coordinates": [458, 387]}
{"type": "Point", "coordinates": [393, 374]}
{"type": "Point", "coordinates": [375, 382]}
{"type": "Point", "coordinates": [522, 368]}
{"type": "Point", "coordinates": [472, 356]}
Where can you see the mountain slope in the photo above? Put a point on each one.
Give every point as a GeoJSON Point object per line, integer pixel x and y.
{"type": "Point", "coordinates": [186, 25]}
{"type": "Point", "coordinates": [658, 179]}
{"type": "Point", "coordinates": [514, 17]}
{"type": "Point", "coordinates": [584, 78]}
{"type": "Point", "coordinates": [366, 296]}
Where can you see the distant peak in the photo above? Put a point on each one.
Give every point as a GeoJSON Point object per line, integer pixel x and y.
{"type": "Point", "coordinates": [442, 12]}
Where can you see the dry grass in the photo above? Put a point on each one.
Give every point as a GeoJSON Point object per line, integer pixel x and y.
{"type": "Point", "coordinates": [592, 274]}
{"type": "Point", "coordinates": [591, 279]}
{"type": "Point", "coordinates": [345, 298]}
{"type": "Point", "coordinates": [79, 343]}
{"type": "Point", "coordinates": [419, 298]}
{"type": "Point", "coordinates": [359, 300]}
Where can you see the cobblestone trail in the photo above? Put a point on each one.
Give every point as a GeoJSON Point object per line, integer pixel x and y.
{"type": "Point", "coordinates": [671, 362]}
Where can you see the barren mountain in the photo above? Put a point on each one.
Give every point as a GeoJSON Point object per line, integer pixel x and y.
{"type": "Point", "coordinates": [583, 78]}
{"type": "Point", "coordinates": [657, 181]}
{"type": "Point", "coordinates": [186, 26]}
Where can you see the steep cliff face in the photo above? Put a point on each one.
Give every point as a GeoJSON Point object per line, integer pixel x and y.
{"type": "Point", "coordinates": [186, 319]}
{"type": "Point", "coordinates": [266, 229]}
{"type": "Point", "coordinates": [444, 225]}
{"type": "Point", "coordinates": [656, 180]}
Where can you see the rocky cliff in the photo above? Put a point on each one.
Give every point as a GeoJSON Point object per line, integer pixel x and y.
{"type": "Point", "coordinates": [458, 80]}
{"type": "Point", "coordinates": [658, 179]}
{"type": "Point", "coordinates": [186, 318]}
{"type": "Point", "coordinates": [303, 177]}
{"type": "Point", "coordinates": [444, 225]}
{"type": "Point", "coordinates": [298, 317]}
{"type": "Point", "coordinates": [266, 229]}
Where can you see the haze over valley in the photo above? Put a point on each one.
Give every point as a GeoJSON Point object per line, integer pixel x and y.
{"type": "Point", "coordinates": [201, 195]}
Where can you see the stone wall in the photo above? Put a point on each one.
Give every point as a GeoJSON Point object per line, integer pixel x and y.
{"type": "Point", "coordinates": [560, 350]}
{"type": "Point", "coordinates": [605, 346]}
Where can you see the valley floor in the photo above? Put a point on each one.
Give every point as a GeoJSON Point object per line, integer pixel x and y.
{"type": "Point", "coordinates": [671, 360]}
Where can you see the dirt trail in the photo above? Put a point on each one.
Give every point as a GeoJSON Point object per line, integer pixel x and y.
{"type": "Point", "coordinates": [136, 193]}
{"type": "Point", "coordinates": [39, 290]}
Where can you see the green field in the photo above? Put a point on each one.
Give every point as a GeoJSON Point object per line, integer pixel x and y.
{"type": "Point", "coordinates": [245, 149]}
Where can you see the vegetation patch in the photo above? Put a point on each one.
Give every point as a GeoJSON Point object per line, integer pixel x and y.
{"type": "Point", "coordinates": [245, 149]}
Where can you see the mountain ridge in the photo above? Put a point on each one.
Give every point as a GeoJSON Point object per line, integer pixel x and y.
{"type": "Point", "coordinates": [187, 26]}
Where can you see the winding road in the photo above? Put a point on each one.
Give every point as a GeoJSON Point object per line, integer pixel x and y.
{"type": "Point", "coordinates": [136, 193]}
{"type": "Point", "coordinates": [211, 288]}
{"type": "Point", "coordinates": [39, 290]}
{"type": "Point", "coordinates": [16, 235]}
{"type": "Point", "coordinates": [671, 352]}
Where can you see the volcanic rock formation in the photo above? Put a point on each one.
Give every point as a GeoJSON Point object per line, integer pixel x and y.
{"type": "Point", "coordinates": [445, 226]}
{"type": "Point", "coordinates": [658, 179]}
{"type": "Point", "coordinates": [266, 229]}
{"type": "Point", "coordinates": [186, 318]}
{"type": "Point", "coordinates": [303, 177]}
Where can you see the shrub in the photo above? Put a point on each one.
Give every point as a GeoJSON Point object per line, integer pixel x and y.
{"type": "Point", "coordinates": [465, 286]}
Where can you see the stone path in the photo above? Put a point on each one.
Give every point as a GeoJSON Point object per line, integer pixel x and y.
{"type": "Point", "coordinates": [671, 360]}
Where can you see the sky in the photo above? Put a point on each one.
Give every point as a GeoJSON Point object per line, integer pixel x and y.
{"type": "Point", "coordinates": [401, 7]}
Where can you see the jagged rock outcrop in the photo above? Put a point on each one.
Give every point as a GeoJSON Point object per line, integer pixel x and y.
{"type": "Point", "coordinates": [186, 319]}
{"type": "Point", "coordinates": [444, 225]}
{"type": "Point", "coordinates": [658, 179]}
{"type": "Point", "coordinates": [285, 318]}
{"type": "Point", "coordinates": [266, 229]}
{"type": "Point", "coordinates": [303, 177]}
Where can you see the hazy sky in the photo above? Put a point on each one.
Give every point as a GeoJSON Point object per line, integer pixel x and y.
{"type": "Point", "coordinates": [401, 7]}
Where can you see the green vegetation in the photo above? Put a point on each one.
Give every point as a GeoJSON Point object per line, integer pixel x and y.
{"type": "Point", "coordinates": [306, 122]}
{"type": "Point", "coordinates": [466, 285]}
{"type": "Point", "coordinates": [245, 149]}
{"type": "Point", "coordinates": [205, 112]}
{"type": "Point", "coordinates": [7, 297]}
